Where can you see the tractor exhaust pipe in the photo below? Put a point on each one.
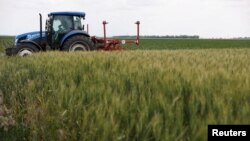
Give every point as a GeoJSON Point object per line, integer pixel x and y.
{"type": "Point", "coordinates": [41, 25]}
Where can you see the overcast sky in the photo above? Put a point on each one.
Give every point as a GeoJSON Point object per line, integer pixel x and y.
{"type": "Point", "coordinates": [207, 18]}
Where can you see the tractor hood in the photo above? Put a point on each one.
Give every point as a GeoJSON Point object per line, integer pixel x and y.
{"type": "Point", "coordinates": [30, 36]}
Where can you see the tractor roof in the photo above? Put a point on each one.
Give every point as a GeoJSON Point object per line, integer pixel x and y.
{"type": "Point", "coordinates": [81, 14]}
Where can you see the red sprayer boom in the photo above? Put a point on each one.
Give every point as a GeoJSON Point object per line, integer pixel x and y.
{"type": "Point", "coordinates": [114, 44]}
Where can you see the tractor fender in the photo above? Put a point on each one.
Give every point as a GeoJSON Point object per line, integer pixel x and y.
{"type": "Point", "coordinates": [33, 43]}
{"type": "Point", "coordinates": [73, 33]}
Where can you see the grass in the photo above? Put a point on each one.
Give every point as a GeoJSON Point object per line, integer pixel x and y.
{"type": "Point", "coordinates": [130, 95]}
{"type": "Point", "coordinates": [153, 44]}
{"type": "Point", "coordinates": [5, 41]}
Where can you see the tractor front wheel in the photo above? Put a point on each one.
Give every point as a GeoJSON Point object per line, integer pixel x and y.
{"type": "Point", "coordinates": [78, 43]}
{"type": "Point", "coordinates": [26, 49]}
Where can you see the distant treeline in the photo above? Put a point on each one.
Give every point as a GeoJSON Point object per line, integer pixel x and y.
{"type": "Point", "coordinates": [162, 37]}
{"type": "Point", "coordinates": [242, 38]}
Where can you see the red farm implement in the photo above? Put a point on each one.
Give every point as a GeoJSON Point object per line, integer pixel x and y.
{"type": "Point", "coordinates": [108, 44]}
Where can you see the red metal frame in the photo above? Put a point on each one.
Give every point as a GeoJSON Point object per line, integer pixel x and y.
{"type": "Point", "coordinates": [114, 44]}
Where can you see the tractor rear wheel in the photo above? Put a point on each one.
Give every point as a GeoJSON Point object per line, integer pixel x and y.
{"type": "Point", "coordinates": [78, 43]}
{"type": "Point", "coordinates": [25, 49]}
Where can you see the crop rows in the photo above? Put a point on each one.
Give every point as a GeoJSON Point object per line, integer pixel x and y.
{"type": "Point", "coordinates": [159, 44]}
{"type": "Point", "coordinates": [130, 95]}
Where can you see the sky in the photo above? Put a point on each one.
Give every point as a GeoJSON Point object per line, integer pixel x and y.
{"type": "Point", "coordinates": [206, 18]}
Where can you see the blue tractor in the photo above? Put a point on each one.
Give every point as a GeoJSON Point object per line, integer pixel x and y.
{"type": "Point", "coordinates": [64, 31]}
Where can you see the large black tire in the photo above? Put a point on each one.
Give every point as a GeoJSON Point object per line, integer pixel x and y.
{"type": "Point", "coordinates": [78, 43]}
{"type": "Point", "coordinates": [25, 49]}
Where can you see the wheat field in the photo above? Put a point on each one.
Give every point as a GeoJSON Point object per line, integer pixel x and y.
{"type": "Point", "coordinates": [128, 95]}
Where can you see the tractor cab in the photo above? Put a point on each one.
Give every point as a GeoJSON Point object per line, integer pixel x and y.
{"type": "Point", "coordinates": [59, 24]}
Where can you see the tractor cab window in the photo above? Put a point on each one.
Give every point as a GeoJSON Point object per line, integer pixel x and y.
{"type": "Point", "coordinates": [48, 24]}
{"type": "Point", "coordinates": [77, 23]}
{"type": "Point", "coordinates": [82, 23]}
{"type": "Point", "coordinates": [56, 25]}
{"type": "Point", "coordinates": [61, 25]}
